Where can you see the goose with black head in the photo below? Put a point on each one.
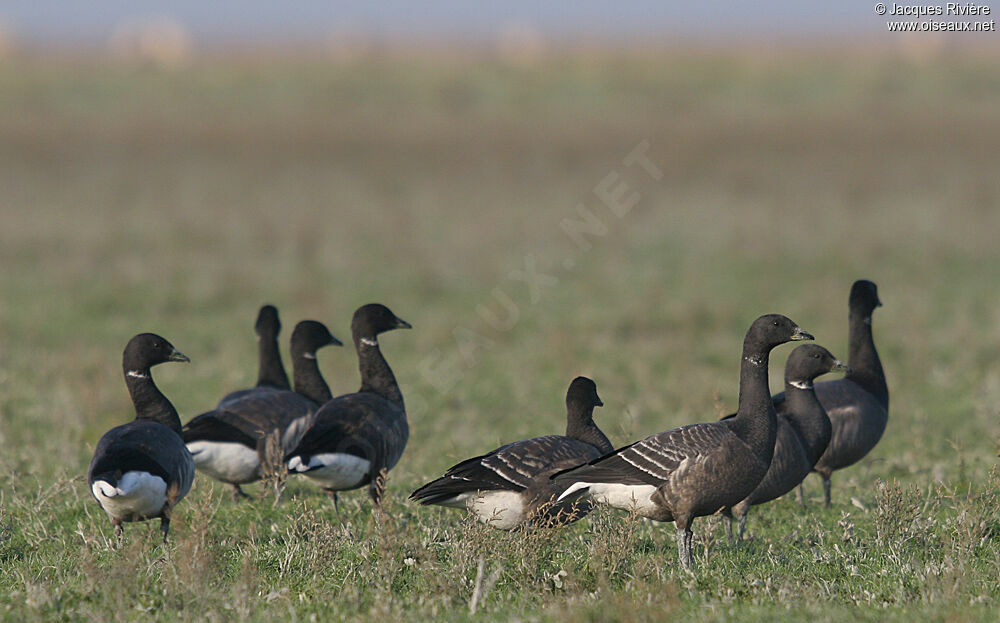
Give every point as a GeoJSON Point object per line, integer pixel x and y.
{"type": "Point", "coordinates": [699, 469]}
{"type": "Point", "coordinates": [354, 437]}
{"type": "Point", "coordinates": [141, 470]}
{"type": "Point", "coordinates": [511, 485]}
{"type": "Point", "coordinates": [803, 431]}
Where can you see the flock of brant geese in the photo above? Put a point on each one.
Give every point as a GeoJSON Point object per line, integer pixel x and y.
{"type": "Point", "coordinates": [142, 469]}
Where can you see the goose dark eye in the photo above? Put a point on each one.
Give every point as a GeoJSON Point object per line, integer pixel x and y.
{"type": "Point", "coordinates": [775, 323]}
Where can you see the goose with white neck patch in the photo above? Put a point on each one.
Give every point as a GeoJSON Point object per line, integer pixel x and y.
{"type": "Point", "coordinates": [355, 436]}
{"type": "Point", "coordinates": [141, 470]}
{"type": "Point", "coordinates": [803, 431]}
{"type": "Point", "coordinates": [698, 469]}
{"type": "Point", "coordinates": [229, 442]}
{"type": "Point", "coordinates": [512, 485]}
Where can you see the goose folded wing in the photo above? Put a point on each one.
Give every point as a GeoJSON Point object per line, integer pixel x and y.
{"type": "Point", "coordinates": [362, 425]}
{"type": "Point", "coordinates": [267, 410]}
{"type": "Point", "coordinates": [253, 416]}
{"type": "Point", "coordinates": [143, 447]}
{"type": "Point", "coordinates": [221, 426]}
{"type": "Point", "coordinates": [513, 467]}
{"type": "Point", "coordinates": [652, 460]}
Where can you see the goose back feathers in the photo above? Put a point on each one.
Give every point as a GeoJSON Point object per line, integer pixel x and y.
{"type": "Point", "coordinates": [698, 469]}
{"type": "Point", "coordinates": [355, 436]}
{"type": "Point", "coordinates": [141, 470]}
{"type": "Point", "coordinates": [511, 485]}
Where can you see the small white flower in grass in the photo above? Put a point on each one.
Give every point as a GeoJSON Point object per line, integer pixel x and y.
{"type": "Point", "coordinates": [557, 579]}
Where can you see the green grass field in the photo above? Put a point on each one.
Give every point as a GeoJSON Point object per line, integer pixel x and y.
{"type": "Point", "coordinates": [135, 199]}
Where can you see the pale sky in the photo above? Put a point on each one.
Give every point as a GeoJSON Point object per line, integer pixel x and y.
{"type": "Point", "coordinates": [208, 20]}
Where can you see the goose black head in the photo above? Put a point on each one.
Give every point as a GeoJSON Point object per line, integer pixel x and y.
{"type": "Point", "coordinates": [864, 297]}
{"type": "Point", "coordinates": [808, 361]}
{"type": "Point", "coordinates": [148, 349]}
{"type": "Point", "coordinates": [267, 325]}
{"type": "Point", "coordinates": [773, 330]}
{"type": "Point", "coordinates": [372, 319]}
{"type": "Point", "coordinates": [310, 335]}
{"type": "Point", "coordinates": [582, 393]}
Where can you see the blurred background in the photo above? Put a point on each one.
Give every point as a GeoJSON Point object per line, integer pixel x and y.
{"type": "Point", "coordinates": [169, 168]}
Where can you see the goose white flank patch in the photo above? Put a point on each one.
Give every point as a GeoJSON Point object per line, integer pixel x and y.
{"type": "Point", "coordinates": [333, 470]}
{"type": "Point", "coordinates": [695, 470]}
{"type": "Point", "coordinates": [138, 495]}
{"type": "Point", "coordinates": [633, 498]}
{"type": "Point", "coordinates": [366, 430]}
{"type": "Point", "coordinates": [227, 461]}
{"type": "Point", "coordinates": [512, 485]}
{"type": "Point", "coordinates": [228, 443]}
{"type": "Point", "coordinates": [142, 469]}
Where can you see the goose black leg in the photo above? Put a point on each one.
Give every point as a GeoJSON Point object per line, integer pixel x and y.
{"type": "Point", "coordinates": [165, 525]}
{"type": "Point", "coordinates": [239, 493]}
{"type": "Point", "coordinates": [800, 494]}
{"type": "Point", "coordinates": [825, 475]}
{"type": "Point", "coordinates": [728, 514]}
{"type": "Point", "coordinates": [684, 541]}
{"type": "Point", "coordinates": [333, 496]}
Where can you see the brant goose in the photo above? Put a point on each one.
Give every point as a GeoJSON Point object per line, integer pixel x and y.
{"type": "Point", "coordinates": [355, 437]}
{"type": "Point", "coordinates": [512, 484]}
{"type": "Point", "coordinates": [803, 431]}
{"type": "Point", "coordinates": [229, 442]}
{"type": "Point", "coordinates": [698, 469]}
{"type": "Point", "coordinates": [270, 370]}
{"type": "Point", "coordinates": [141, 470]}
{"type": "Point", "coordinates": [858, 404]}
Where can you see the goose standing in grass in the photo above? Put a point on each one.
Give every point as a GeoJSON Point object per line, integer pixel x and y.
{"type": "Point", "coordinates": [270, 371]}
{"type": "Point", "coordinates": [142, 469]}
{"type": "Point", "coordinates": [512, 484]}
{"type": "Point", "coordinates": [356, 436]}
{"type": "Point", "coordinates": [229, 443]}
{"type": "Point", "coordinates": [803, 431]}
{"type": "Point", "coordinates": [858, 404]}
{"type": "Point", "coordinates": [698, 469]}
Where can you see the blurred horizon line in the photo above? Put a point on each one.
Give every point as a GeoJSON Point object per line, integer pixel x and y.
{"type": "Point", "coordinates": [162, 37]}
